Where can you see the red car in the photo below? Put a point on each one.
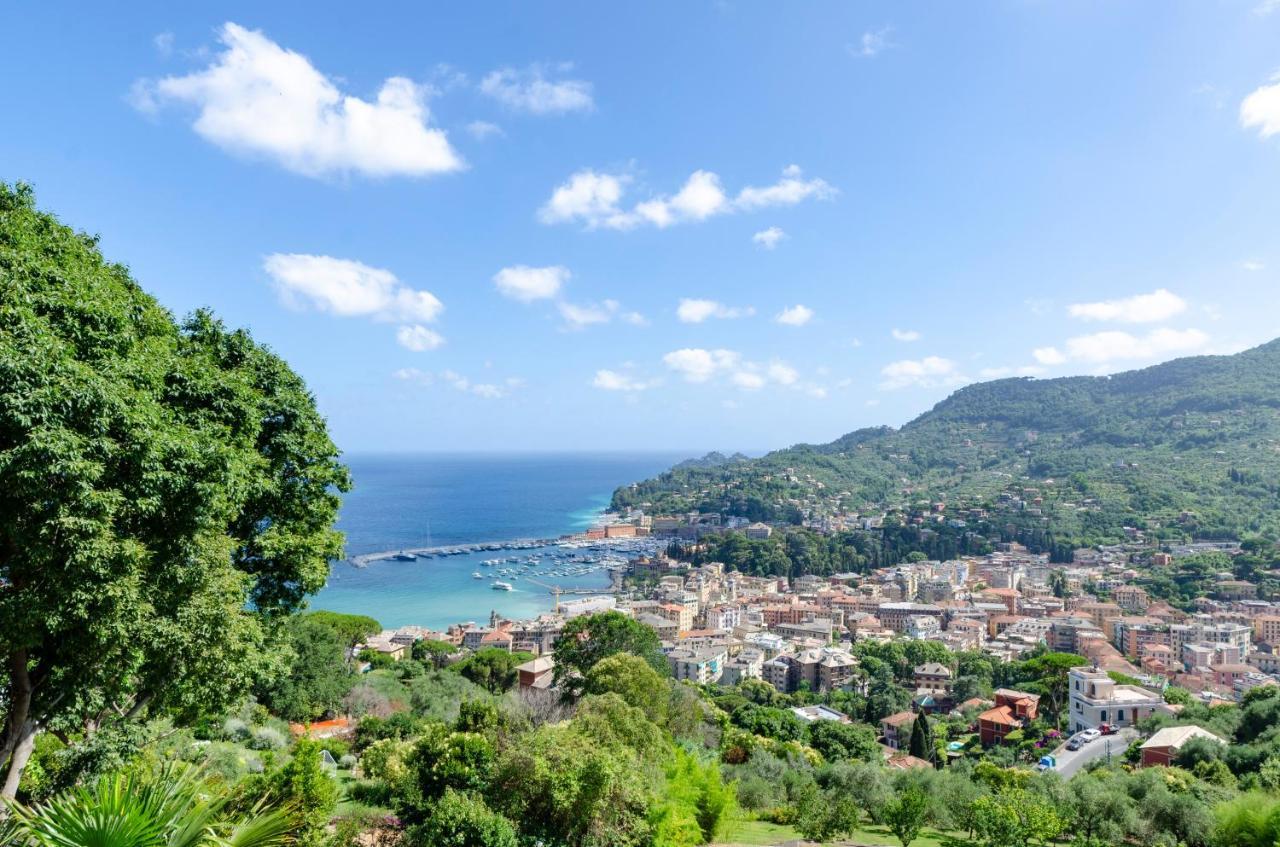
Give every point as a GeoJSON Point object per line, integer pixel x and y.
{"type": "Point", "coordinates": [1107, 729]}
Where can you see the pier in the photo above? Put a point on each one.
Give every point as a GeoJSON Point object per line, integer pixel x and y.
{"type": "Point", "coordinates": [365, 559]}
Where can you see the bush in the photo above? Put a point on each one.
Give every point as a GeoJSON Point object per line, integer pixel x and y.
{"type": "Point", "coordinates": [267, 738]}
{"type": "Point", "coordinates": [347, 762]}
{"type": "Point", "coordinates": [234, 729]}
{"type": "Point", "coordinates": [459, 820]}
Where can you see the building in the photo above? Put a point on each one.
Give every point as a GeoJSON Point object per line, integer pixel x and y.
{"type": "Point", "coordinates": [758, 531]}
{"type": "Point", "coordinates": [809, 714]}
{"type": "Point", "coordinates": [700, 666]}
{"type": "Point", "coordinates": [1012, 710]}
{"type": "Point", "coordinates": [537, 673]}
{"type": "Point", "coordinates": [896, 729]}
{"type": "Point", "coordinates": [1162, 748]}
{"type": "Point", "coordinates": [933, 679]}
{"type": "Point", "coordinates": [1097, 699]}
{"type": "Point", "coordinates": [897, 616]}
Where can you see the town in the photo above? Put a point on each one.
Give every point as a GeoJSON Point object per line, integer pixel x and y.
{"type": "Point", "coordinates": [718, 627]}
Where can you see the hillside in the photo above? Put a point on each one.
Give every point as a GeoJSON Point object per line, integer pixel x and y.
{"type": "Point", "coordinates": [1190, 447]}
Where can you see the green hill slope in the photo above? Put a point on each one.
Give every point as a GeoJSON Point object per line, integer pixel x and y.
{"type": "Point", "coordinates": [1190, 447]}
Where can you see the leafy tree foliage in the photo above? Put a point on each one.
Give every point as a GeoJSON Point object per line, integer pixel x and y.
{"type": "Point", "coordinates": [316, 676]}
{"type": "Point", "coordinates": [587, 639]}
{"type": "Point", "coordinates": [177, 478]}
{"type": "Point", "coordinates": [492, 669]}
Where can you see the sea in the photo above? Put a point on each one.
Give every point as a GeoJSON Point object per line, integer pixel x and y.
{"type": "Point", "coordinates": [404, 502]}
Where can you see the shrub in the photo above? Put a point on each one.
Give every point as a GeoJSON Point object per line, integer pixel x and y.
{"type": "Point", "coordinates": [267, 738]}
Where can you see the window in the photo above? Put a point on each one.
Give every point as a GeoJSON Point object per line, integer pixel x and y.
{"type": "Point", "coordinates": [1120, 715]}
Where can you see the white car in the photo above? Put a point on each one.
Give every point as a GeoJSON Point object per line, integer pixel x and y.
{"type": "Point", "coordinates": [1089, 735]}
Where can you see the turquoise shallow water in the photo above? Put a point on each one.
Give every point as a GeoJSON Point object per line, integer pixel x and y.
{"type": "Point", "coordinates": [408, 501]}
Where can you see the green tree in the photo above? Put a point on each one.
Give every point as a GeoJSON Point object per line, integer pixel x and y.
{"type": "Point", "coordinates": [921, 744]}
{"type": "Point", "coordinates": [303, 787]}
{"type": "Point", "coordinates": [175, 807]}
{"type": "Point", "coordinates": [492, 669]}
{"type": "Point", "coordinates": [463, 820]}
{"type": "Point", "coordinates": [587, 639]}
{"type": "Point", "coordinates": [177, 479]}
{"type": "Point", "coordinates": [906, 814]}
{"type": "Point", "coordinates": [635, 681]}
{"type": "Point", "coordinates": [844, 741]}
{"type": "Point", "coordinates": [352, 629]}
{"type": "Point", "coordinates": [435, 652]}
{"type": "Point", "coordinates": [316, 675]}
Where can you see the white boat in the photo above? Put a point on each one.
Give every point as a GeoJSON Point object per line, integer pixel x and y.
{"type": "Point", "coordinates": [477, 575]}
{"type": "Point", "coordinates": [502, 586]}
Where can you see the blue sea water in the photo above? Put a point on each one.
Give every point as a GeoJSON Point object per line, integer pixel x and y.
{"type": "Point", "coordinates": [411, 501]}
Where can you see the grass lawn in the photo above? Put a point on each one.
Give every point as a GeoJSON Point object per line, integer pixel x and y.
{"type": "Point", "coordinates": [760, 833]}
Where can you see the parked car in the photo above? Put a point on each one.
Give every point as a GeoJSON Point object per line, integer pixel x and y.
{"type": "Point", "coordinates": [1090, 735]}
{"type": "Point", "coordinates": [1046, 763]}
{"type": "Point", "coordinates": [1075, 742]}
{"type": "Point", "coordinates": [1107, 729]}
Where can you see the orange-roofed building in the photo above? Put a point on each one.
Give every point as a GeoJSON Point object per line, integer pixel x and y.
{"type": "Point", "coordinates": [1013, 710]}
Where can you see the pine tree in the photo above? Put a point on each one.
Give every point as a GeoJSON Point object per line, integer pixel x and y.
{"type": "Point", "coordinates": [921, 745]}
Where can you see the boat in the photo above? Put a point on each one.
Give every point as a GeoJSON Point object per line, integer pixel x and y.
{"type": "Point", "coordinates": [477, 575]}
{"type": "Point", "coordinates": [405, 557]}
{"type": "Point", "coordinates": [502, 586]}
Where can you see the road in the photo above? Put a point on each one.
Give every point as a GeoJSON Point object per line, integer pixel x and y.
{"type": "Point", "coordinates": [1071, 762]}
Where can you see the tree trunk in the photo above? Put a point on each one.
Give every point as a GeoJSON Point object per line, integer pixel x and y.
{"type": "Point", "coordinates": [25, 743]}
{"type": "Point", "coordinates": [20, 729]}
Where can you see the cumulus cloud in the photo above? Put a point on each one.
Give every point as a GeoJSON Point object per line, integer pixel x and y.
{"type": "Point", "coordinates": [698, 365]}
{"type": "Point", "coordinates": [595, 200]}
{"type": "Point", "coordinates": [1002, 372]}
{"type": "Point", "coordinates": [531, 90]}
{"type": "Point", "coordinates": [872, 43]}
{"type": "Point", "coordinates": [1102, 348]}
{"type": "Point", "coordinates": [1252, 265]}
{"type": "Point", "coordinates": [1159, 305]}
{"type": "Point", "coordinates": [579, 316]}
{"type": "Point", "coordinates": [418, 338]}
{"type": "Point", "coordinates": [797, 315]}
{"type": "Point", "coordinates": [1048, 356]}
{"type": "Point", "coordinates": [1261, 109]}
{"type": "Point", "coordinates": [929, 372]}
{"type": "Point", "coordinates": [348, 289]}
{"type": "Point", "coordinates": [526, 284]}
{"type": "Point", "coordinates": [608, 380]}
{"type": "Point", "coordinates": [769, 238]}
{"type": "Point", "coordinates": [905, 335]}
{"type": "Point", "coordinates": [458, 382]}
{"type": "Point", "coordinates": [260, 99]}
{"type": "Point", "coordinates": [480, 130]}
{"type": "Point", "coordinates": [692, 310]}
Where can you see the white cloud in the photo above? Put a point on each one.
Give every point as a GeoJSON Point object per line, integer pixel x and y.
{"type": "Point", "coordinates": [782, 374]}
{"type": "Point", "coordinates": [258, 98]}
{"type": "Point", "coordinates": [480, 130]}
{"type": "Point", "coordinates": [1261, 109]}
{"type": "Point", "coordinates": [797, 315]}
{"type": "Point", "coordinates": [905, 335]}
{"type": "Point", "coordinates": [526, 284]}
{"type": "Point", "coordinates": [1002, 372]}
{"type": "Point", "coordinates": [1104, 347]}
{"type": "Point", "coordinates": [608, 380]}
{"type": "Point", "coordinates": [348, 289]}
{"type": "Point", "coordinates": [458, 382]}
{"type": "Point", "coordinates": [1266, 7]}
{"type": "Point", "coordinates": [695, 310]}
{"type": "Point", "coordinates": [872, 43]}
{"type": "Point", "coordinates": [818, 392]}
{"type": "Point", "coordinates": [595, 200]}
{"type": "Point", "coordinates": [748, 380]}
{"type": "Point", "coordinates": [418, 338]}
{"type": "Point", "coordinates": [769, 238]}
{"type": "Point", "coordinates": [698, 365]}
{"type": "Point", "coordinates": [1159, 305]}
{"type": "Point", "coordinates": [163, 42]}
{"type": "Point", "coordinates": [929, 372]}
{"type": "Point", "coordinates": [1048, 356]}
{"type": "Point", "coordinates": [530, 90]}
{"type": "Point", "coordinates": [1252, 265]}
{"type": "Point", "coordinates": [577, 317]}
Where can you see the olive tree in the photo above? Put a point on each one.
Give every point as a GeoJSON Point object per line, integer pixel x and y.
{"type": "Point", "coordinates": [167, 495]}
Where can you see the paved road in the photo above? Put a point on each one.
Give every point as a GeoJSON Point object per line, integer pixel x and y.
{"type": "Point", "coordinates": [1071, 762]}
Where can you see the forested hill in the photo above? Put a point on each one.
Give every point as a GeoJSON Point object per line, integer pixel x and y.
{"type": "Point", "coordinates": [1188, 447]}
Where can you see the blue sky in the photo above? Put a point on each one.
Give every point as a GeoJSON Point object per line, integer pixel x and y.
{"type": "Point", "coordinates": [674, 225]}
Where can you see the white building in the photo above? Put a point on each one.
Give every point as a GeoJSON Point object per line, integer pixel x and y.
{"type": "Point", "coordinates": [1097, 699]}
